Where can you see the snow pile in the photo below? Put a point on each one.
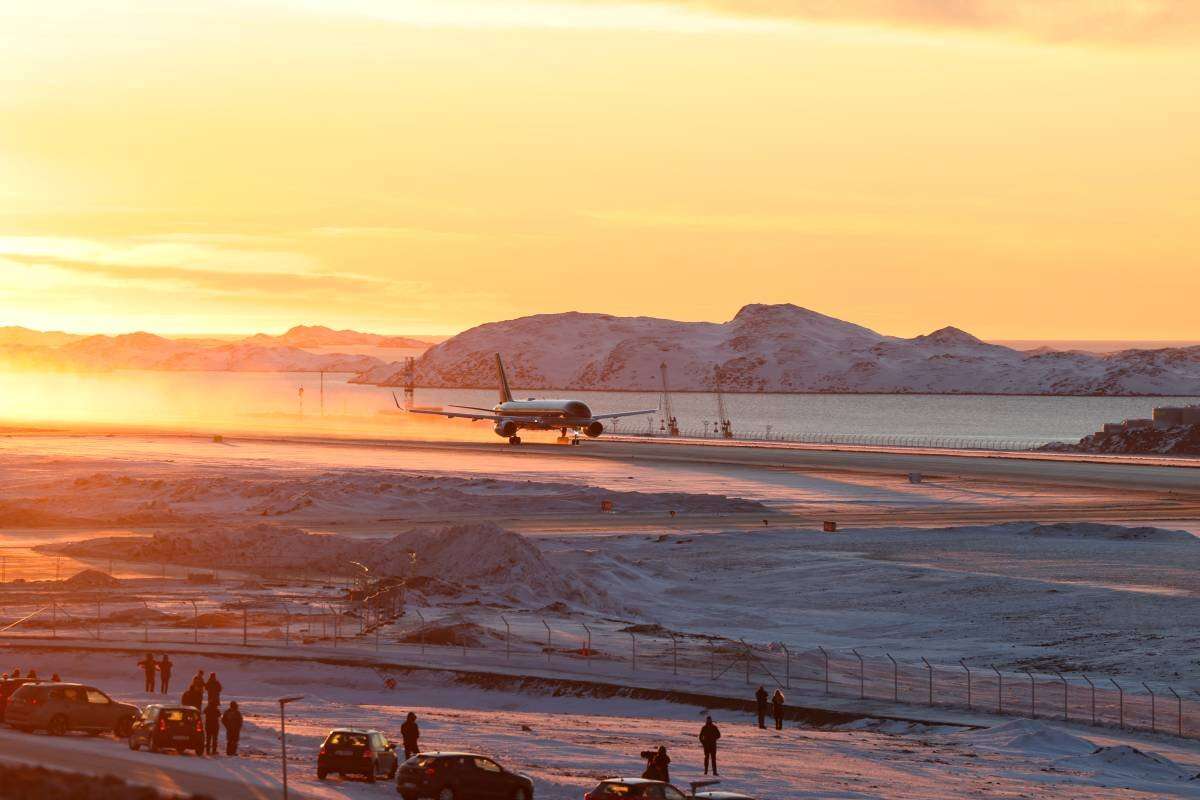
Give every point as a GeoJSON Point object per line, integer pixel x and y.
{"type": "Point", "coordinates": [1097, 530]}
{"type": "Point", "coordinates": [91, 579]}
{"type": "Point", "coordinates": [1030, 737]}
{"type": "Point", "coordinates": [779, 348]}
{"type": "Point", "coordinates": [1127, 763]}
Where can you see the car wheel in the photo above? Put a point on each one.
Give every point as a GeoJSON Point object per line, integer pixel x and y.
{"type": "Point", "coordinates": [392, 772]}
{"type": "Point", "coordinates": [57, 726]}
{"type": "Point", "coordinates": [133, 745]}
{"type": "Point", "coordinates": [520, 794]}
{"type": "Point", "coordinates": [321, 774]}
{"type": "Point", "coordinates": [446, 794]}
{"type": "Point", "coordinates": [123, 727]}
{"type": "Point", "coordinates": [371, 775]}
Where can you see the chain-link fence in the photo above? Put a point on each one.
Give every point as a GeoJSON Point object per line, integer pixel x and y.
{"type": "Point", "coordinates": [713, 431]}
{"type": "Point", "coordinates": [325, 618]}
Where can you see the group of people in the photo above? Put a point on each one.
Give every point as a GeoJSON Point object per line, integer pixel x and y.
{"type": "Point", "coordinates": [658, 762]}
{"type": "Point", "coordinates": [777, 701]}
{"type": "Point", "coordinates": [194, 696]}
{"type": "Point", "coordinates": [31, 676]}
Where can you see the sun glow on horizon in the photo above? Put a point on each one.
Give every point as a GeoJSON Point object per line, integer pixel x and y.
{"type": "Point", "coordinates": [420, 166]}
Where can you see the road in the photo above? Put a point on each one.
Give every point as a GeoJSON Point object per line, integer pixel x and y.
{"type": "Point", "coordinates": [219, 778]}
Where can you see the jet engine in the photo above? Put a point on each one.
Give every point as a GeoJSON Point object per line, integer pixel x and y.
{"type": "Point", "coordinates": [507, 428]}
{"type": "Point", "coordinates": [593, 430]}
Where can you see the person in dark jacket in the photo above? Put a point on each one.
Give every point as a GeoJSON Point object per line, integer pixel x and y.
{"type": "Point", "coordinates": [410, 732]}
{"type": "Point", "coordinates": [709, 735]}
{"type": "Point", "coordinates": [213, 686]}
{"type": "Point", "coordinates": [662, 765]}
{"type": "Point", "coordinates": [232, 720]}
{"type": "Point", "coordinates": [164, 673]}
{"type": "Point", "coordinates": [761, 698]}
{"type": "Point", "coordinates": [212, 728]}
{"type": "Point", "coordinates": [777, 701]}
{"type": "Point", "coordinates": [148, 665]}
{"type": "Point", "coordinates": [193, 697]}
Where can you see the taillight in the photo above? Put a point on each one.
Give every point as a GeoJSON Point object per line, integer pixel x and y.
{"type": "Point", "coordinates": [367, 754]}
{"type": "Point", "coordinates": [324, 750]}
{"type": "Point", "coordinates": [199, 727]}
{"type": "Point", "coordinates": [430, 772]}
{"type": "Point", "coordinates": [162, 724]}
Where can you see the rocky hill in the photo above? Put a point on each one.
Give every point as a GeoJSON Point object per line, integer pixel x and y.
{"type": "Point", "coordinates": [780, 348]}
{"type": "Point", "coordinates": [321, 336]}
{"type": "Point", "coordinates": [1179, 440]}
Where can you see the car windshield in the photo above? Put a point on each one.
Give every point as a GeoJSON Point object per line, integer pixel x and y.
{"type": "Point", "coordinates": [342, 739]}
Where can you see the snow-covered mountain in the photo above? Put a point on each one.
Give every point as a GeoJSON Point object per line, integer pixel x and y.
{"type": "Point", "coordinates": [780, 348]}
{"type": "Point", "coordinates": [148, 351]}
{"type": "Point", "coordinates": [321, 336]}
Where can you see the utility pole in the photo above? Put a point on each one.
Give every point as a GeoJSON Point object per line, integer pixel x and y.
{"type": "Point", "coordinates": [322, 393]}
{"type": "Point", "coordinates": [283, 701]}
{"type": "Point", "coordinates": [301, 393]}
{"type": "Point", "coordinates": [410, 378]}
{"type": "Point", "coordinates": [669, 424]}
{"type": "Point", "coordinates": [723, 423]}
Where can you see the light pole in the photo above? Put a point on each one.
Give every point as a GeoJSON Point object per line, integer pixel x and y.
{"type": "Point", "coordinates": [283, 701]}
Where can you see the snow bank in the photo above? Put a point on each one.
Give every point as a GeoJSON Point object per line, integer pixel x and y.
{"type": "Point", "coordinates": [1097, 530]}
{"type": "Point", "coordinates": [1030, 737]}
{"type": "Point", "coordinates": [1127, 763]}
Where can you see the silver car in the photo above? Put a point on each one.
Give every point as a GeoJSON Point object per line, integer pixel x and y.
{"type": "Point", "coordinates": [61, 707]}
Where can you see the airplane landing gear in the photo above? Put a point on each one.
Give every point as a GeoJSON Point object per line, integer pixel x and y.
{"type": "Point", "coordinates": [514, 440]}
{"type": "Point", "coordinates": [562, 436]}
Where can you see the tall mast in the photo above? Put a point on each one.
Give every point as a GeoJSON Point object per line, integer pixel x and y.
{"type": "Point", "coordinates": [669, 423]}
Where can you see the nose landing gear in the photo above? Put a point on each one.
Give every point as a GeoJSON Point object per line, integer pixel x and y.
{"type": "Point", "coordinates": [564, 439]}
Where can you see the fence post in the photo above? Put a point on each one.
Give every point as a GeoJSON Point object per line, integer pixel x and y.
{"type": "Point", "coordinates": [895, 678]}
{"type": "Point", "coordinates": [712, 661]}
{"type": "Point", "coordinates": [1093, 687]}
{"type": "Point", "coordinates": [787, 663]}
{"type": "Point", "coordinates": [549, 643]}
{"type": "Point", "coordinates": [588, 651]}
{"type": "Point", "coordinates": [1153, 710]}
{"type": "Point", "coordinates": [1032, 694]}
{"type": "Point", "coordinates": [825, 653]}
{"type": "Point", "coordinates": [420, 639]}
{"type": "Point", "coordinates": [999, 690]}
{"type": "Point", "coordinates": [747, 654]}
{"type": "Point", "coordinates": [862, 680]}
{"type": "Point", "coordinates": [245, 626]}
{"type": "Point", "coordinates": [1121, 702]}
{"type": "Point", "coordinates": [674, 654]}
{"type": "Point", "coordinates": [633, 652]}
{"type": "Point", "coordinates": [507, 639]}
{"type": "Point", "coordinates": [968, 669]}
{"type": "Point", "coordinates": [1179, 714]}
{"type": "Point", "coordinates": [146, 622]}
{"type": "Point", "coordinates": [195, 622]}
{"type": "Point", "coordinates": [1066, 714]}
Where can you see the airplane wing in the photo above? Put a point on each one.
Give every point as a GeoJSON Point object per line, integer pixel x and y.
{"type": "Point", "coordinates": [453, 414]}
{"type": "Point", "coordinates": [441, 413]}
{"type": "Point", "coordinates": [625, 414]}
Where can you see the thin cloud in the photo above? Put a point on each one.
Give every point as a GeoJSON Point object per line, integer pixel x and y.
{"type": "Point", "coordinates": [1127, 21]}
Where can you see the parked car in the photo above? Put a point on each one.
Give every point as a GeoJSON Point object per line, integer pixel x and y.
{"type": "Point", "coordinates": [613, 788]}
{"type": "Point", "coordinates": [357, 751]}
{"type": "Point", "coordinates": [7, 687]}
{"type": "Point", "coordinates": [60, 707]}
{"type": "Point", "coordinates": [460, 776]}
{"type": "Point", "coordinates": [162, 727]}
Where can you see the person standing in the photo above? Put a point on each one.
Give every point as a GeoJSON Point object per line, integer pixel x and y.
{"type": "Point", "coordinates": [761, 698]}
{"type": "Point", "coordinates": [148, 665]}
{"type": "Point", "coordinates": [777, 701]}
{"type": "Point", "coordinates": [709, 735]}
{"type": "Point", "coordinates": [212, 727]}
{"type": "Point", "coordinates": [213, 686]}
{"type": "Point", "coordinates": [164, 673]}
{"type": "Point", "coordinates": [410, 732]}
{"type": "Point", "coordinates": [662, 764]}
{"type": "Point", "coordinates": [232, 720]}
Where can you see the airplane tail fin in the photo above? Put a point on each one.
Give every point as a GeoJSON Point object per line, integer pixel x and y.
{"type": "Point", "coordinates": [505, 392]}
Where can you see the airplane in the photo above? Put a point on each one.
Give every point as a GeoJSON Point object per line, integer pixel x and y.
{"type": "Point", "coordinates": [510, 415]}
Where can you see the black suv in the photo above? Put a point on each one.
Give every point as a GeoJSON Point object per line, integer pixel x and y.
{"type": "Point", "coordinates": [357, 751]}
{"type": "Point", "coordinates": [162, 727]}
{"type": "Point", "coordinates": [460, 776]}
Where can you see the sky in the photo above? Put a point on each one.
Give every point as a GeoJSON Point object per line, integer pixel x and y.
{"type": "Point", "coordinates": [1022, 169]}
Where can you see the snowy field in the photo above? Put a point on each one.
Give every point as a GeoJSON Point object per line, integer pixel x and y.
{"type": "Point", "coordinates": [567, 742]}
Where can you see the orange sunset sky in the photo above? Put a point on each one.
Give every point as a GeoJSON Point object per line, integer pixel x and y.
{"type": "Point", "coordinates": [1019, 168]}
